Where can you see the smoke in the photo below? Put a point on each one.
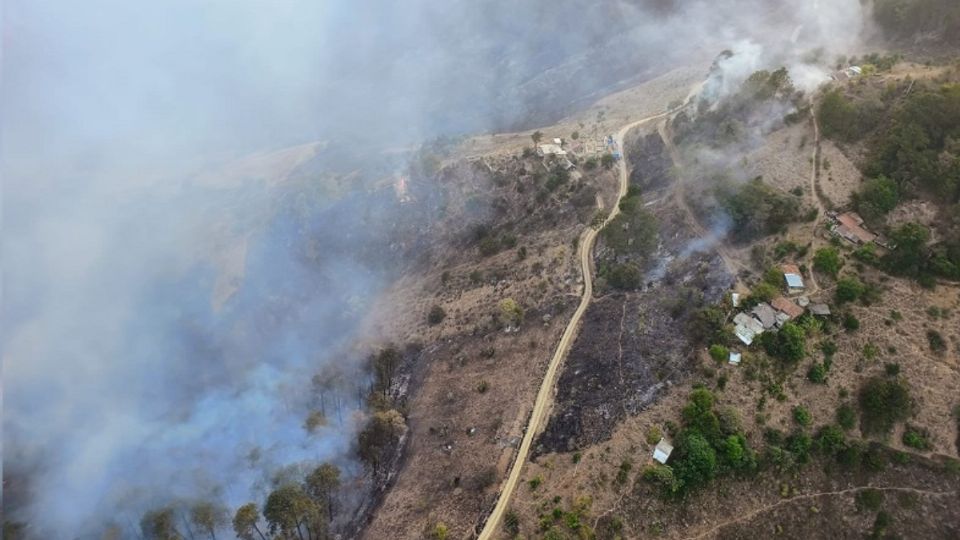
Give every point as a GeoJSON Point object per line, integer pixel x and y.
{"type": "Point", "coordinates": [167, 301]}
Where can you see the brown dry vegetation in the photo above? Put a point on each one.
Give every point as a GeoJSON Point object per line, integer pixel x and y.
{"type": "Point", "coordinates": [806, 503]}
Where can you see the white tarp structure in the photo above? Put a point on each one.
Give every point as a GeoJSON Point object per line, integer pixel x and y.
{"type": "Point", "coordinates": [662, 452]}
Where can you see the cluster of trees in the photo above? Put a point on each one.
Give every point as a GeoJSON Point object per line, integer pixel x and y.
{"type": "Point", "coordinates": [379, 438]}
{"type": "Point", "coordinates": [757, 210]}
{"type": "Point", "coordinates": [294, 510]}
{"type": "Point", "coordinates": [789, 344]}
{"type": "Point", "coordinates": [913, 144]}
{"type": "Point", "coordinates": [632, 237]}
{"type": "Point", "coordinates": [763, 94]}
{"type": "Point", "coordinates": [884, 401]}
{"type": "Point", "coordinates": [905, 18]}
{"type": "Point", "coordinates": [711, 443]}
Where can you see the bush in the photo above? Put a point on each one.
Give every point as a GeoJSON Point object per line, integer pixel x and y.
{"type": "Point", "coordinates": [883, 402]}
{"type": "Point", "coordinates": [851, 323]}
{"type": "Point", "coordinates": [625, 277]}
{"type": "Point", "coordinates": [846, 416]}
{"type": "Point", "coordinates": [697, 463]}
{"type": "Point", "coordinates": [830, 440]}
{"type": "Point", "coordinates": [817, 374]}
{"type": "Point", "coordinates": [802, 416]}
{"type": "Point", "coordinates": [916, 438]}
{"type": "Point", "coordinates": [849, 289]}
{"type": "Point", "coordinates": [719, 353]}
{"type": "Point", "coordinates": [789, 344]}
{"type": "Point", "coordinates": [936, 341]}
{"type": "Point", "coordinates": [535, 482]}
{"type": "Point", "coordinates": [827, 260]}
{"type": "Point", "coordinates": [869, 499]}
{"type": "Point", "coordinates": [436, 315]}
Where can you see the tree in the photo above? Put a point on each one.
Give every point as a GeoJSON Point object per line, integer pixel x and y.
{"type": "Point", "coordinates": [883, 402]}
{"type": "Point", "coordinates": [849, 289]}
{"type": "Point", "coordinates": [719, 353]}
{"type": "Point", "coordinates": [789, 344]}
{"type": "Point", "coordinates": [384, 366]}
{"type": "Point", "coordinates": [381, 433]}
{"type": "Point", "coordinates": [322, 484]}
{"type": "Point", "coordinates": [245, 522]}
{"type": "Point", "coordinates": [537, 136]}
{"type": "Point", "coordinates": [289, 511]}
{"type": "Point", "coordinates": [510, 312]}
{"type": "Point", "coordinates": [908, 256]}
{"type": "Point", "coordinates": [698, 461]}
{"type": "Point", "coordinates": [207, 517]}
{"type": "Point", "coordinates": [827, 260]}
{"type": "Point", "coordinates": [625, 276]}
{"type": "Point", "coordinates": [315, 420]}
{"type": "Point", "coordinates": [877, 198]}
{"type": "Point", "coordinates": [160, 524]}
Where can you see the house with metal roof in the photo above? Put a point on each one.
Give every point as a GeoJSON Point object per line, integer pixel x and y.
{"type": "Point", "coordinates": [662, 451]}
{"type": "Point", "coordinates": [791, 274]}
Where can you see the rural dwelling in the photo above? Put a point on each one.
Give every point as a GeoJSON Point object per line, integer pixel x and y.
{"type": "Point", "coordinates": [849, 226]}
{"type": "Point", "coordinates": [791, 274]}
{"type": "Point", "coordinates": [747, 328]}
{"type": "Point", "coordinates": [787, 307]}
{"type": "Point", "coordinates": [821, 310]}
{"type": "Point", "coordinates": [735, 299]}
{"type": "Point", "coordinates": [550, 150]}
{"type": "Point", "coordinates": [766, 315]}
{"type": "Point", "coordinates": [662, 452]}
{"type": "Point", "coordinates": [735, 358]}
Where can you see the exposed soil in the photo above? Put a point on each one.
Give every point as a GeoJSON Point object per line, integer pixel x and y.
{"type": "Point", "coordinates": [633, 345]}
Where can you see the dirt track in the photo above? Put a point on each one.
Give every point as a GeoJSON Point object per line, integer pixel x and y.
{"type": "Point", "coordinates": [545, 395]}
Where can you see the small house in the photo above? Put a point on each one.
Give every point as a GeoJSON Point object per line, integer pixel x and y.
{"type": "Point", "coordinates": [821, 310]}
{"type": "Point", "coordinates": [766, 315]}
{"type": "Point", "coordinates": [747, 328]}
{"type": "Point", "coordinates": [735, 358]}
{"type": "Point", "coordinates": [735, 299]}
{"type": "Point", "coordinates": [550, 150]}
{"type": "Point", "coordinates": [849, 226]}
{"type": "Point", "coordinates": [662, 451]}
{"type": "Point", "coordinates": [787, 307]}
{"type": "Point", "coordinates": [791, 274]}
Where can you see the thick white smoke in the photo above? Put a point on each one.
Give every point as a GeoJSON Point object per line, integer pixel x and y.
{"type": "Point", "coordinates": [127, 382]}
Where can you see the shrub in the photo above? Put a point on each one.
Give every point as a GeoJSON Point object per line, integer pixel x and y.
{"type": "Point", "coordinates": [654, 434]}
{"type": "Point", "coordinates": [719, 353]}
{"type": "Point", "coordinates": [535, 482]}
{"type": "Point", "coordinates": [789, 344]}
{"type": "Point", "coordinates": [916, 438]}
{"type": "Point", "coordinates": [511, 522]}
{"type": "Point", "coordinates": [817, 374]}
{"type": "Point", "coordinates": [625, 277]}
{"type": "Point", "coordinates": [698, 461]}
{"type": "Point", "coordinates": [936, 341]}
{"type": "Point", "coordinates": [849, 289]}
{"type": "Point", "coordinates": [869, 499]}
{"type": "Point", "coordinates": [851, 323]}
{"type": "Point", "coordinates": [830, 440]}
{"type": "Point", "coordinates": [802, 416]}
{"type": "Point", "coordinates": [883, 402]}
{"type": "Point", "coordinates": [436, 315]}
{"type": "Point", "coordinates": [892, 369]}
{"type": "Point", "coordinates": [846, 416]}
{"type": "Point", "coordinates": [827, 260]}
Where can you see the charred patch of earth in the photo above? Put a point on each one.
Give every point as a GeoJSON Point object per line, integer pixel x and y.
{"type": "Point", "coordinates": [652, 166]}
{"type": "Point", "coordinates": [631, 346]}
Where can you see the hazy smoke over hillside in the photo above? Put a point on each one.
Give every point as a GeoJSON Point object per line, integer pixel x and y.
{"type": "Point", "coordinates": [128, 380]}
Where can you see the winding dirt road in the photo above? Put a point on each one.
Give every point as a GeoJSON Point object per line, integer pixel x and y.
{"type": "Point", "coordinates": [545, 395]}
